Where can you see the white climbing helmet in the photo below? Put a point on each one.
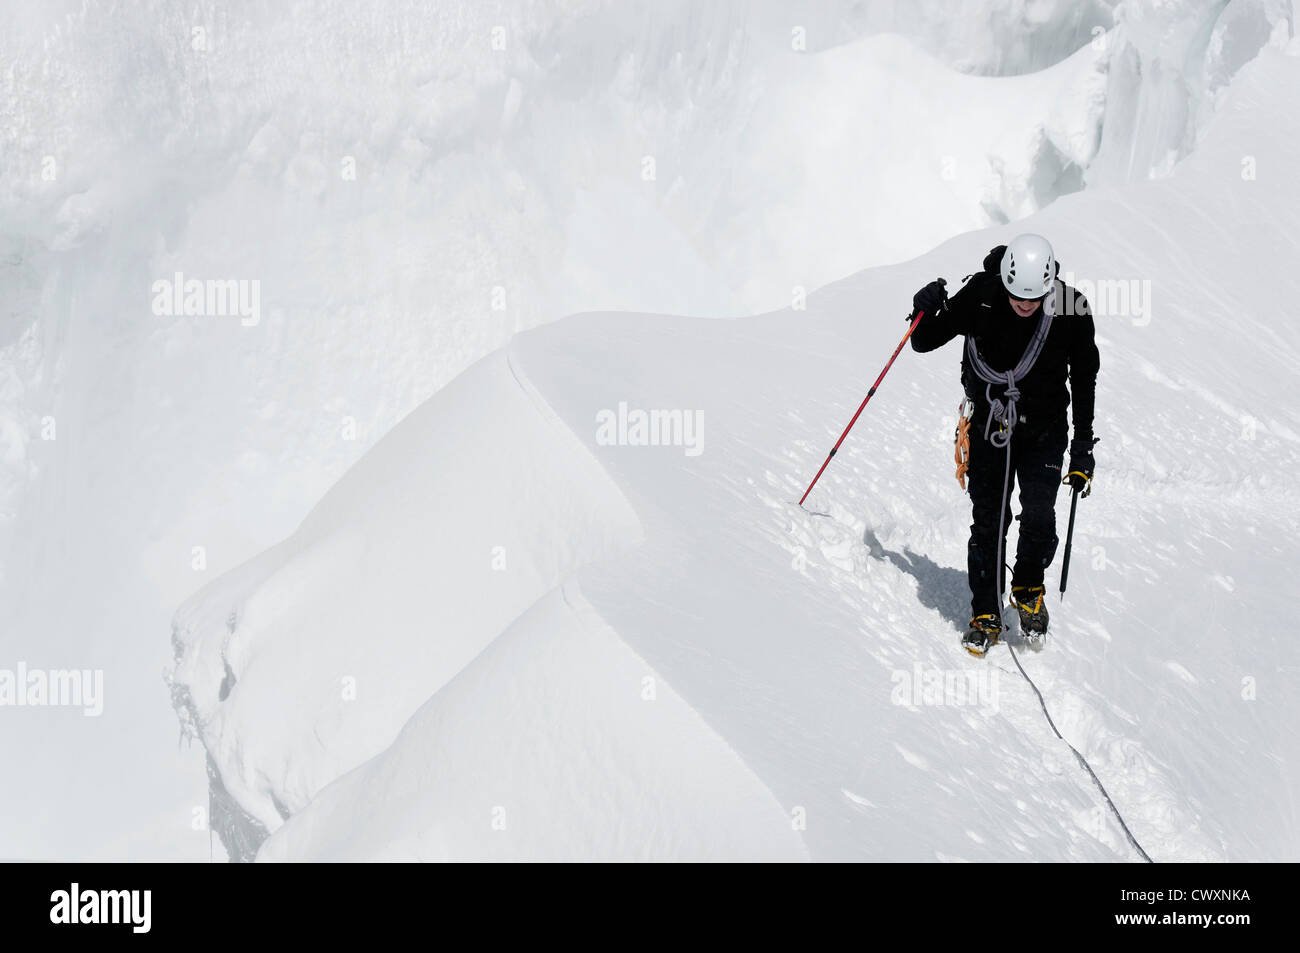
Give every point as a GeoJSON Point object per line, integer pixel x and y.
{"type": "Point", "coordinates": [1028, 266]}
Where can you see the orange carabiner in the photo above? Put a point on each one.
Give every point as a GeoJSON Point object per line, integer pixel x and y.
{"type": "Point", "coordinates": [961, 450]}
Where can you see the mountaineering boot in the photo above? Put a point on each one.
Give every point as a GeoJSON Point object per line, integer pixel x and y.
{"type": "Point", "coordinates": [982, 634]}
{"type": "Point", "coordinates": [1031, 603]}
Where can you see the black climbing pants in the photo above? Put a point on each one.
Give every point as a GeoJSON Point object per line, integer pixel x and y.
{"type": "Point", "coordinates": [1036, 459]}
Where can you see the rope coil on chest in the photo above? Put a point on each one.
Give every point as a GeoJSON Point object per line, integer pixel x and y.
{"type": "Point", "coordinates": [1004, 413]}
{"type": "Point", "coordinates": [1003, 409]}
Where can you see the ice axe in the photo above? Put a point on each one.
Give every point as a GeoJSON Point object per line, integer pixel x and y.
{"type": "Point", "coordinates": [1069, 541]}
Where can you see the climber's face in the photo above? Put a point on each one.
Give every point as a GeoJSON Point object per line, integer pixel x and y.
{"type": "Point", "coordinates": [1024, 308]}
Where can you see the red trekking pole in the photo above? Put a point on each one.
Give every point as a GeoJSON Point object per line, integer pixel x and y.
{"type": "Point", "coordinates": [910, 329]}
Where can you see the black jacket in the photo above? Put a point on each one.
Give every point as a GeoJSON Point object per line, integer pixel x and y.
{"type": "Point", "coordinates": [981, 308]}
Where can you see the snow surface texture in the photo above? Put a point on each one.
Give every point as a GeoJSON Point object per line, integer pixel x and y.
{"type": "Point", "coordinates": [495, 189]}
{"type": "Point", "coordinates": [779, 637]}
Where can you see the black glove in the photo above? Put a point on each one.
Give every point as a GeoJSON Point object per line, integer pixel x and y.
{"type": "Point", "coordinates": [931, 299]}
{"type": "Point", "coordinates": [1082, 464]}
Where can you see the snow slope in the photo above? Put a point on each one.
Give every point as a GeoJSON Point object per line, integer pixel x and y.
{"type": "Point", "coordinates": [789, 633]}
{"type": "Point", "coordinates": [580, 754]}
{"type": "Point", "coordinates": [432, 576]}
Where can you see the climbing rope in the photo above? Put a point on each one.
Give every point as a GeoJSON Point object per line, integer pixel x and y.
{"type": "Point", "coordinates": [1005, 413]}
{"type": "Point", "coordinates": [1006, 486]}
{"type": "Point", "coordinates": [1003, 410]}
{"type": "Point", "coordinates": [1081, 759]}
